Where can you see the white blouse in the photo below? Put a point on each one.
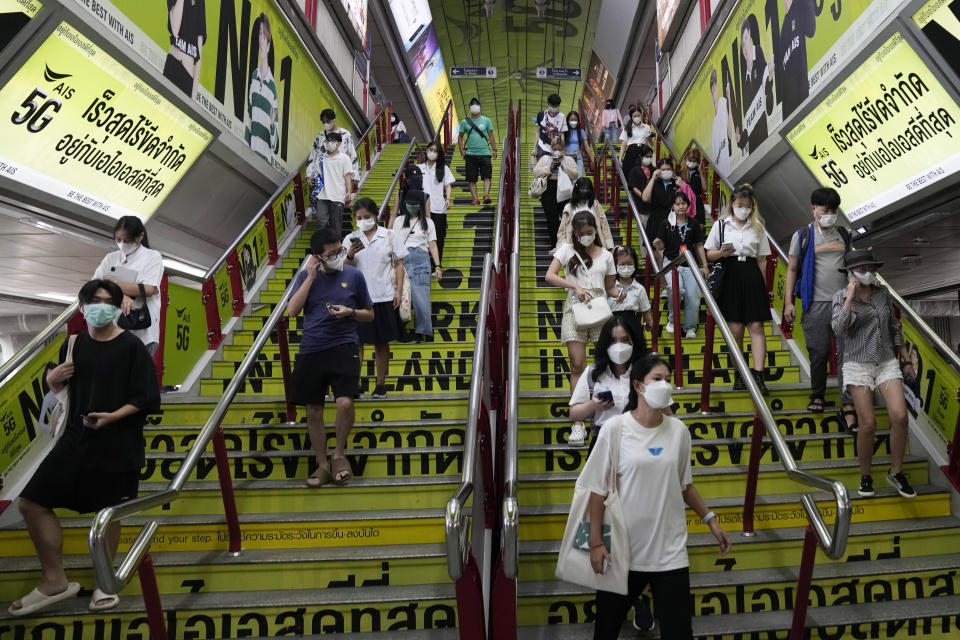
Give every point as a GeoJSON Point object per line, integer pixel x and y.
{"type": "Point", "coordinates": [746, 241]}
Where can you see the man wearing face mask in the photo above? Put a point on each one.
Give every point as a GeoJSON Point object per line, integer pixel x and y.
{"type": "Point", "coordinates": [330, 197]}
{"type": "Point", "coordinates": [96, 462]}
{"type": "Point", "coordinates": [550, 123]}
{"type": "Point", "coordinates": [333, 298]}
{"type": "Point", "coordinates": [329, 119]}
{"type": "Point", "coordinates": [813, 273]}
{"type": "Point", "coordinates": [478, 147]}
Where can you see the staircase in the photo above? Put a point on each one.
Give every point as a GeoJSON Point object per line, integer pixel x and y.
{"type": "Point", "coordinates": [899, 576]}
{"type": "Point", "coordinates": [362, 558]}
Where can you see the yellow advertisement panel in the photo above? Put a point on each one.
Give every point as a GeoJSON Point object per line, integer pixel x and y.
{"type": "Point", "coordinates": [186, 330]}
{"type": "Point", "coordinates": [240, 60]}
{"type": "Point", "coordinates": [884, 133]}
{"type": "Point", "coordinates": [940, 22]}
{"type": "Point", "coordinates": [14, 16]}
{"type": "Point", "coordinates": [79, 126]}
{"type": "Point", "coordinates": [934, 390]}
{"type": "Point", "coordinates": [434, 86]}
{"type": "Point", "coordinates": [765, 63]}
{"type": "Point", "coordinates": [254, 254]}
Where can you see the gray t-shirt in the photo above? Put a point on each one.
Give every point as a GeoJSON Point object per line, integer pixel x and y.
{"type": "Point", "coordinates": [828, 259]}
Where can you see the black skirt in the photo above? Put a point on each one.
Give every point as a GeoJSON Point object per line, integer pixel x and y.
{"type": "Point", "coordinates": [744, 297]}
{"type": "Point", "coordinates": [386, 326]}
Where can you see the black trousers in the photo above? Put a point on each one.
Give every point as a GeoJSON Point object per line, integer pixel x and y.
{"type": "Point", "coordinates": [552, 209]}
{"type": "Point", "coordinates": [440, 222]}
{"type": "Point", "coordinates": [671, 601]}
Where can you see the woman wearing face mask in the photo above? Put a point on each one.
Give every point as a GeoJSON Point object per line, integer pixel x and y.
{"type": "Point", "coordinates": [611, 122]}
{"type": "Point", "coordinates": [639, 177]}
{"type": "Point", "coordinates": [415, 242]}
{"type": "Point", "coordinates": [412, 179]}
{"type": "Point", "coordinates": [863, 315]}
{"type": "Point", "coordinates": [398, 130]}
{"type": "Point", "coordinates": [437, 185]}
{"type": "Point", "coordinates": [676, 231]}
{"type": "Point", "coordinates": [371, 251]}
{"type": "Point", "coordinates": [549, 167]}
{"type": "Point", "coordinates": [743, 299]}
{"type": "Point", "coordinates": [574, 139]}
{"type": "Point", "coordinates": [690, 174]}
{"type": "Point", "coordinates": [589, 272]}
{"type": "Point", "coordinates": [134, 255]}
{"type": "Point", "coordinates": [659, 194]}
{"type": "Point", "coordinates": [632, 305]}
{"type": "Point", "coordinates": [582, 199]}
{"type": "Point", "coordinates": [655, 485]}
{"type": "Point", "coordinates": [636, 133]}
{"type": "Point", "coordinates": [603, 389]}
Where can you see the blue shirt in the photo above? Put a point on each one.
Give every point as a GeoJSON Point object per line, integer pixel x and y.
{"type": "Point", "coordinates": [321, 329]}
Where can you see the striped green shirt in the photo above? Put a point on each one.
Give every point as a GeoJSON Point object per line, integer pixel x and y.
{"type": "Point", "coordinates": [261, 133]}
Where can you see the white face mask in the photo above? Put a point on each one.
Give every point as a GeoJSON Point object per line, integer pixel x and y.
{"type": "Point", "coordinates": [658, 394]}
{"type": "Point", "coordinates": [647, 161]}
{"type": "Point", "coordinates": [431, 156]}
{"type": "Point", "coordinates": [691, 165]}
{"type": "Point", "coordinates": [475, 109]}
{"type": "Point", "coordinates": [330, 126]}
{"type": "Point", "coordinates": [626, 270]}
{"type": "Point", "coordinates": [128, 247]}
{"type": "Point", "coordinates": [637, 120]}
{"type": "Point", "coordinates": [557, 153]}
{"type": "Point", "coordinates": [827, 220]}
{"type": "Point", "coordinates": [572, 124]}
{"type": "Point", "coordinates": [332, 146]}
{"type": "Point", "coordinates": [868, 277]}
{"type": "Point", "coordinates": [587, 239]}
{"type": "Point", "coordinates": [620, 352]}
{"type": "Point", "coordinates": [666, 175]}
{"type": "Point", "coordinates": [742, 213]}
{"type": "Point", "coordinates": [553, 111]}
{"type": "Point", "coordinates": [366, 224]}
{"type": "Point", "coordinates": [335, 264]}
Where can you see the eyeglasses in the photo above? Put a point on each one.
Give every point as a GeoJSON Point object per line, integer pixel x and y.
{"type": "Point", "coordinates": [342, 253]}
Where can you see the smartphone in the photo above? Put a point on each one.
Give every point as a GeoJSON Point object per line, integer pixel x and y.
{"type": "Point", "coordinates": [605, 396]}
{"type": "Point", "coordinates": [725, 245]}
{"type": "Point", "coordinates": [606, 565]}
{"type": "Point", "coordinates": [356, 242]}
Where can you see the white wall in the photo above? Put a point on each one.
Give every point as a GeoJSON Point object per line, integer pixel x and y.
{"type": "Point", "coordinates": [615, 22]}
{"type": "Point", "coordinates": [683, 48]}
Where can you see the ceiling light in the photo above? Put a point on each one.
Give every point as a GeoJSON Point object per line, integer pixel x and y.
{"type": "Point", "coordinates": [920, 241]}
{"type": "Point", "coordinates": [183, 267]}
{"type": "Point", "coordinates": [58, 297]}
{"type": "Point", "coordinates": [861, 230]}
{"type": "Point", "coordinates": [89, 238]}
{"type": "Point", "coordinates": [911, 259]}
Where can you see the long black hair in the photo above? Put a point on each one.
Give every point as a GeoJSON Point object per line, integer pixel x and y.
{"type": "Point", "coordinates": [566, 134]}
{"type": "Point", "coordinates": [440, 169]}
{"type": "Point", "coordinates": [133, 227]}
{"type": "Point", "coordinates": [619, 252]}
{"type": "Point", "coordinates": [580, 220]}
{"type": "Point", "coordinates": [641, 367]}
{"type": "Point", "coordinates": [601, 359]}
{"type": "Point", "coordinates": [582, 192]}
{"type": "Point", "coordinates": [629, 126]}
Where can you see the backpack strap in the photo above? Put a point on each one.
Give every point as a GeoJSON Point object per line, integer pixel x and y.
{"type": "Point", "coordinates": [847, 238]}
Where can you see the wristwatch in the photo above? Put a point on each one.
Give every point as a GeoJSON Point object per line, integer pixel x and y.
{"type": "Point", "coordinates": [353, 313]}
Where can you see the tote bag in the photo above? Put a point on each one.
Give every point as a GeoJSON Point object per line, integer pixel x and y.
{"type": "Point", "coordinates": [55, 410]}
{"type": "Point", "coordinates": [595, 313]}
{"type": "Point", "coordinates": [564, 186]}
{"type": "Point", "coordinates": [573, 561]}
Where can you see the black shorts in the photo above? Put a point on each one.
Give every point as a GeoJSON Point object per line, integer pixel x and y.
{"type": "Point", "coordinates": [65, 481]}
{"type": "Point", "coordinates": [176, 73]}
{"type": "Point", "coordinates": [337, 368]}
{"type": "Point", "coordinates": [478, 165]}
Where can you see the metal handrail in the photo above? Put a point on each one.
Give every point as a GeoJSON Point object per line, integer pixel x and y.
{"type": "Point", "coordinates": [396, 178]}
{"type": "Point", "coordinates": [455, 520]}
{"type": "Point", "coordinates": [651, 254]}
{"type": "Point", "coordinates": [447, 113]}
{"type": "Point", "coordinates": [38, 342]}
{"type": "Point", "coordinates": [111, 581]}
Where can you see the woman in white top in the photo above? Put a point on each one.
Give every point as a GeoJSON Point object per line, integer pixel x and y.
{"type": "Point", "coordinates": [655, 485]}
{"type": "Point", "coordinates": [636, 133]}
{"type": "Point", "coordinates": [415, 242]}
{"type": "Point", "coordinates": [589, 273]}
{"type": "Point", "coordinates": [743, 298]}
{"type": "Point", "coordinates": [582, 199]}
{"type": "Point", "coordinates": [371, 251]}
{"type": "Point", "coordinates": [437, 184]}
{"type": "Point", "coordinates": [133, 264]}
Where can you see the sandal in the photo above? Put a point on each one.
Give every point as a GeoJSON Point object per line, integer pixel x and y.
{"type": "Point", "coordinates": [110, 600]}
{"type": "Point", "coordinates": [341, 466]}
{"type": "Point", "coordinates": [851, 427]}
{"type": "Point", "coordinates": [36, 600]}
{"type": "Point", "coordinates": [815, 405]}
{"type": "Point", "coordinates": [322, 477]}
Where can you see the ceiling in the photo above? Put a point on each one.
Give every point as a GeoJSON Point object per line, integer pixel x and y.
{"type": "Point", "coordinates": [515, 41]}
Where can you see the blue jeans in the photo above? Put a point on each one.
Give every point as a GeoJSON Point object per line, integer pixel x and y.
{"type": "Point", "coordinates": [689, 295]}
{"type": "Point", "coordinates": [575, 154]}
{"type": "Point", "coordinates": [417, 265]}
{"type": "Point", "coordinates": [612, 133]}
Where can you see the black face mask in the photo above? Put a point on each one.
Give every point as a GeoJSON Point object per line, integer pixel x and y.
{"type": "Point", "coordinates": [415, 183]}
{"type": "Point", "coordinates": [582, 195]}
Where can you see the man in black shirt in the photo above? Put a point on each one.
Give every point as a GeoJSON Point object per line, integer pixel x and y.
{"type": "Point", "coordinates": [799, 23]}
{"type": "Point", "coordinates": [96, 462]}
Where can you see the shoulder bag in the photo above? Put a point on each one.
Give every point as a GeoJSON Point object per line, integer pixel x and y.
{"type": "Point", "coordinates": [717, 271]}
{"type": "Point", "coordinates": [138, 318]}
{"type": "Point", "coordinates": [595, 312]}
{"type": "Point", "coordinates": [573, 561]}
{"type": "Point", "coordinates": [55, 410]}
{"type": "Point", "coordinates": [537, 187]}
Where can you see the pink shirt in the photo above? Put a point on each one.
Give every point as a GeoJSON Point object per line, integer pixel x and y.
{"type": "Point", "coordinates": [610, 116]}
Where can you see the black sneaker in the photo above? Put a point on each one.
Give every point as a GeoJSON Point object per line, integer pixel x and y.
{"type": "Point", "coordinates": [866, 487]}
{"type": "Point", "coordinates": [380, 391]}
{"type": "Point", "coordinates": [486, 200]}
{"type": "Point", "coordinates": [738, 384]}
{"type": "Point", "coordinates": [642, 618]}
{"type": "Point", "coordinates": [758, 376]}
{"type": "Point", "coordinates": [899, 482]}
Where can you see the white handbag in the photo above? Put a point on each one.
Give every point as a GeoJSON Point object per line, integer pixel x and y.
{"type": "Point", "coordinates": [55, 410]}
{"type": "Point", "coordinates": [573, 560]}
{"type": "Point", "coordinates": [595, 312]}
{"type": "Point", "coordinates": [537, 187]}
{"type": "Point", "coordinates": [564, 186]}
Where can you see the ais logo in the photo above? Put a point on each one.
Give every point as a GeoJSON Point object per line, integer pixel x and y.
{"type": "Point", "coordinates": [39, 102]}
{"type": "Point", "coordinates": [62, 88]}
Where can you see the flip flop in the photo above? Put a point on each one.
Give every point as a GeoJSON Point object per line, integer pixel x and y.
{"type": "Point", "coordinates": [322, 475]}
{"type": "Point", "coordinates": [112, 600]}
{"type": "Point", "coordinates": [35, 600]}
{"type": "Point", "coordinates": [338, 466]}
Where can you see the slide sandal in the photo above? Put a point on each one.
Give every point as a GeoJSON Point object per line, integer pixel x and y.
{"type": "Point", "coordinates": [322, 477]}
{"type": "Point", "coordinates": [112, 600]}
{"type": "Point", "coordinates": [338, 466]}
{"type": "Point", "coordinates": [35, 600]}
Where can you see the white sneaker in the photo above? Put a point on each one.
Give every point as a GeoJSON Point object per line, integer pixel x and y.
{"type": "Point", "coordinates": [578, 433]}
{"type": "Point", "coordinates": [663, 293]}
{"type": "Point", "coordinates": [669, 327]}
{"type": "Point", "coordinates": [691, 333]}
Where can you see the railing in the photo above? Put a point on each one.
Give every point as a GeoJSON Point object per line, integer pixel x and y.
{"type": "Point", "coordinates": [445, 129]}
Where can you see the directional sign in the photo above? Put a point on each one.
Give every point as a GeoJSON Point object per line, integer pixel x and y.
{"type": "Point", "coordinates": [473, 73]}
{"type": "Point", "coordinates": [559, 73]}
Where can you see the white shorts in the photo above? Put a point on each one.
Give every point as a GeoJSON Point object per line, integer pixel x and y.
{"type": "Point", "coordinates": [870, 375]}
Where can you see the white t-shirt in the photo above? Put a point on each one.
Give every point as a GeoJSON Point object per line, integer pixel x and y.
{"type": "Point", "coordinates": [375, 262]}
{"type": "Point", "coordinates": [745, 240]}
{"type": "Point", "coordinates": [720, 143]}
{"type": "Point", "coordinates": [149, 267]}
{"type": "Point", "coordinates": [641, 134]}
{"type": "Point", "coordinates": [620, 387]}
{"type": "Point", "coordinates": [601, 267]}
{"type": "Point", "coordinates": [335, 170]}
{"type": "Point", "coordinates": [550, 126]}
{"type": "Point", "coordinates": [636, 299]}
{"type": "Point", "coordinates": [435, 189]}
{"type": "Point", "coordinates": [417, 238]}
{"type": "Point", "coordinates": [654, 469]}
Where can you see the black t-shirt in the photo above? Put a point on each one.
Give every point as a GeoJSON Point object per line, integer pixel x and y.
{"type": "Point", "coordinates": [661, 199]}
{"type": "Point", "coordinates": [106, 376]}
{"type": "Point", "coordinates": [193, 26]}
{"type": "Point", "coordinates": [638, 180]}
{"type": "Point", "coordinates": [753, 84]}
{"type": "Point", "coordinates": [673, 236]}
{"type": "Point", "coordinates": [799, 24]}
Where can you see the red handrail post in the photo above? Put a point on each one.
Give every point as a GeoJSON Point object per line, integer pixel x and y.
{"type": "Point", "coordinates": [298, 198]}
{"type": "Point", "coordinates": [151, 599]}
{"type": "Point", "coordinates": [387, 122]}
{"type": "Point", "coordinates": [677, 355]}
{"type": "Point", "coordinates": [469, 590]}
{"type": "Point", "coordinates": [709, 331]}
{"type": "Point", "coordinates": [952, 469]}
{"type": "Point", "coordinates": [283, 343]}
{"type": "Point", "coordinates": [750, 494]}
{"type": "Point", "coordinates": [615, 205]}
{"type": "Point", "coordinates": [655, 334]}
{"type": "Point", "coordinates": [366, 149]}
{"type": "Point", "coordinates": [832, 361]}
{"type": "Point", "coordinates": [797, 630]}
{"type": "Point", "coordinates": [630, 228]}
{"type": "Point", "coordinates": [268, 222]}
{"type": "Point", "coordinates": [603, 168]}
{"type": "Point", "coordinates": [596, 176]}
{"type": "Point", "coordinates": [771, 274]}
{"type": "Point", "coordinates": [236, 284]}
{"type": "Point", "coordinates": [226, 490]}
{"type": "Point", "coordinates": [209, 299]}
